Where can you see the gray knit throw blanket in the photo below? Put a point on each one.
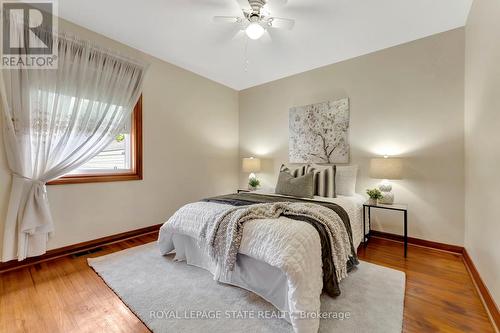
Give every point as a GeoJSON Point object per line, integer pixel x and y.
{"type": "Point", "coordinates": [223, 237]}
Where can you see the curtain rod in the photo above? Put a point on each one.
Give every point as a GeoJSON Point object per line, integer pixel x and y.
{"type": "Point", "coordinates": [90, 44]}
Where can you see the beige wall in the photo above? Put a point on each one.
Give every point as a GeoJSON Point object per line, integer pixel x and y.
{"type": "Point", "coordinates": [190, 151]}
{"type": "Point", "coordinates": [482, 141]}
{"type": "Point", "coordinates": [407, 101]}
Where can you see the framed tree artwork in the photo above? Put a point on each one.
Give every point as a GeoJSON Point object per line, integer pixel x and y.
{"type": "Point", "coordinates": [319, 133]}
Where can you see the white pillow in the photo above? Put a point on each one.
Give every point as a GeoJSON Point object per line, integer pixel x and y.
{"type": "Point", "coordinates": [345, 179]}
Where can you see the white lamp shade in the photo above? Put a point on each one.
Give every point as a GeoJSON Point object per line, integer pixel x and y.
{"type": "Point", "coordinates": [386, 168]}
{"type": "Point", "coordinates": [251, 164]}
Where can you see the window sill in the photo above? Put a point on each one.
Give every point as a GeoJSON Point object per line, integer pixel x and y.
{"type": "Point", "coordinates": [97, 178]}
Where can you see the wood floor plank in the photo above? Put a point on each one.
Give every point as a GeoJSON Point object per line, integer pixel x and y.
{"type": "Point", "coordinates": [66, 295]}
{"type": "Point", "coordinates": [440, 295]}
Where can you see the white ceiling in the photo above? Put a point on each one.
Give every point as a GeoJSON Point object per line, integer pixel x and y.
{"type": "Point", "coordinates": [326, 31]}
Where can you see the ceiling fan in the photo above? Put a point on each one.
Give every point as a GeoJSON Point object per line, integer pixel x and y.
{"type": "Point", "coordinates": [256, 20]}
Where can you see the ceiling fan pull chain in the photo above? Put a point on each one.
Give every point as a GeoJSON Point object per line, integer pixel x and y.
{"type": "Point", "coordinates": [246, 62]}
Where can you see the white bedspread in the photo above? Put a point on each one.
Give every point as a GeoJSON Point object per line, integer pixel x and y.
{"type": "Point", "coordinates": [290, 245]}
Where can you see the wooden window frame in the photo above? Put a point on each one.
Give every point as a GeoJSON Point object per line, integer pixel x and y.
{"type": "Point", "coordinates": [135, 174]}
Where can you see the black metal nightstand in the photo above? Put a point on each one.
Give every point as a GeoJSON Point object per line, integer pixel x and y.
{"type": "Point", "coordinates": [396, 207]}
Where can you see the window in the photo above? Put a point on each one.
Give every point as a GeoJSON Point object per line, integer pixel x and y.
{"type": "Point", "coordinates": [121, 160]}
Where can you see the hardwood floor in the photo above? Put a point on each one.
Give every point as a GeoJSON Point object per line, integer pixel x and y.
{"type": "Point", "coordinates": [440, 295]}
{"type": "Point", "coordinates": [65, 295]}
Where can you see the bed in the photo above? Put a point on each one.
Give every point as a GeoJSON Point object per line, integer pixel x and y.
{"type": "Point", "coordinates": [279, 261]}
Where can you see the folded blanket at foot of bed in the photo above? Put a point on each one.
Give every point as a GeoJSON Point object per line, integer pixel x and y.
{"type": "Point", "coordinates": [223, 236]}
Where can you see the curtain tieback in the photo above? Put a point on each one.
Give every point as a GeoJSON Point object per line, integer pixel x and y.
{"type": "Point", "coordinates": [39, 184]}
{"type": "Point", "coordinates": [35, 216]}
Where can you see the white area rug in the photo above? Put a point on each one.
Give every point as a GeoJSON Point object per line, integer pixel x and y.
{"type": "Point", "coordinates": [171, 296]}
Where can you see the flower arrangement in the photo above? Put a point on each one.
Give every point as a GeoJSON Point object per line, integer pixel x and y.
{"type": "Point", "coordinates": [253, 183]}
{"type": "Point", "coordinates": [374, 195]}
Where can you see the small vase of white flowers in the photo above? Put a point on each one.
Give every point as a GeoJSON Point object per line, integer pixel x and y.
{"type": "Point", "coordinates": [374, 195]}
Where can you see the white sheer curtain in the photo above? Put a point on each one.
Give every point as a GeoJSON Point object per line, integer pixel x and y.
{"type": "Point", "coordinates": [55, 121]}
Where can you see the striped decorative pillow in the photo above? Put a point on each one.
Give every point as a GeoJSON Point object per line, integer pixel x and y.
{"type": "Point", "coordinates": [294, 170]}
{"type": "Point", "coordinates": [324, 179]}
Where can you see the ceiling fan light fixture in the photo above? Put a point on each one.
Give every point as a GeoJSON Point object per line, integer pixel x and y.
{"type": "Point", "coordinates": [254, 31]}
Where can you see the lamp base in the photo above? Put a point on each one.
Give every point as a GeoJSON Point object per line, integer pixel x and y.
{"type": "Point", "coordinates": [253, 179]}
{"type": "Point", "coordinates": [388, 196]}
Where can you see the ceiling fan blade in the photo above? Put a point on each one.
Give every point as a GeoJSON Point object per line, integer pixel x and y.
{"type": "Point", "coordinates": [227, 19]}
{"type": "Point", "coordinates": [281, 23]}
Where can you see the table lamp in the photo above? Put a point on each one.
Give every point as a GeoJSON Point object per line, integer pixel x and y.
{"type": "Point", "coordinates": [251, 165]}
{"type": "Point", "coordinates": [387, 168]}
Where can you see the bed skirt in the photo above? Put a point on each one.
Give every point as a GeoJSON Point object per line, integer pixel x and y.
{"type": "Point", "coordinates": [251, 274]}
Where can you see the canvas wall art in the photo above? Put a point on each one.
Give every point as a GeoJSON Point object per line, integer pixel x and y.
{"type": "Point", "coordinates": [319, 133]}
